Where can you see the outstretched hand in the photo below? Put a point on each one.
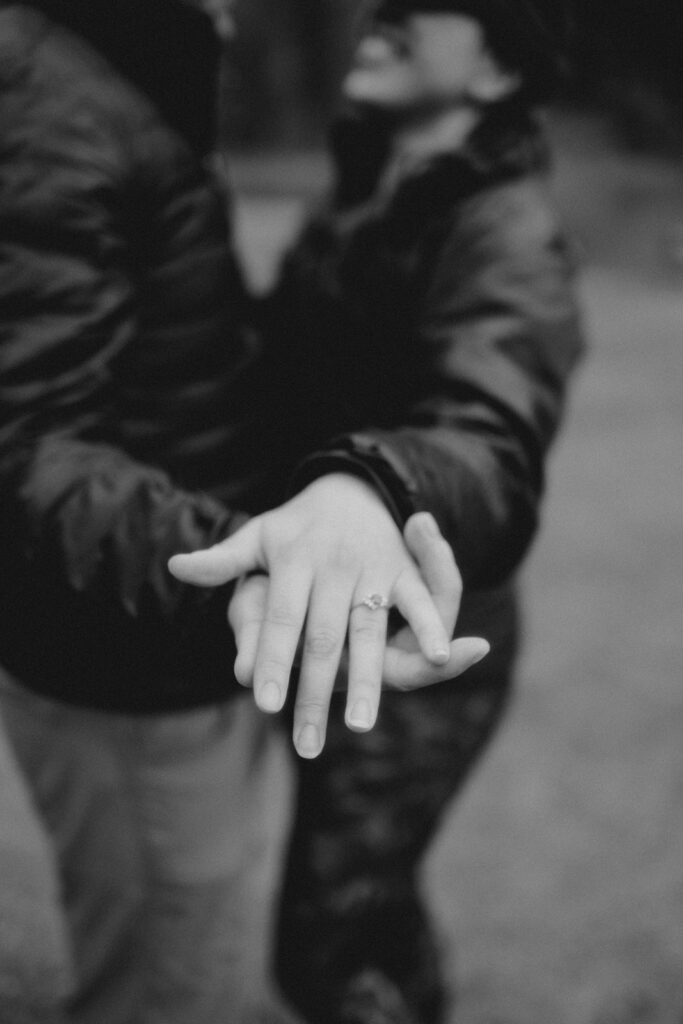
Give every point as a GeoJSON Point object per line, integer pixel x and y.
{"type": "Point", "coordinates": [326, 552]}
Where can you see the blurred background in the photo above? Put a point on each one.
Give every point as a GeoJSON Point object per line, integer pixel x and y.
{"type": "Point", "coordinates": [285, 68]}
{"type": "Point", "coordinates": [558, 879]}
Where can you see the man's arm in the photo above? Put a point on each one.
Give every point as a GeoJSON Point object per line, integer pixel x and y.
{"type": "Point", "coordinates": [86, 529]}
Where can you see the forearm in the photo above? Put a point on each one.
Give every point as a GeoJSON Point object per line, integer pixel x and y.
{"type": "Point", "coordinates": [85, 534]}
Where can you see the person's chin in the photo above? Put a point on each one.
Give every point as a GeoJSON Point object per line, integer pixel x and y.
{"type": "Point", "coordinates": [370, 90]}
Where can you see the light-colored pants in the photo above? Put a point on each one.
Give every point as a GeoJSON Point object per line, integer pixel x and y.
{"type": "Point", "coordinates": [169, 836]}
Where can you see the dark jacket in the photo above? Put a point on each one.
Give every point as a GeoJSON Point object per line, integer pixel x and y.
{"type": "Point", "coordinates": [133, 419]}
{"type": "Point", "coordinates": [124, 418]}
{"type": "Point", "coordinates": [433, 326]}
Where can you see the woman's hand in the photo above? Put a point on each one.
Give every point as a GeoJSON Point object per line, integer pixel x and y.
{"type": "Point", "coordinates": [405, 667]}
{"type": "Point", "coordinates": [326, 552]}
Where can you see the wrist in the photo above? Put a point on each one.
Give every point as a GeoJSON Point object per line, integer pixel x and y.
{"type": "Point", "coordinates": [397, 498]}
{"type": "Point", "coordinates": [343, 491]}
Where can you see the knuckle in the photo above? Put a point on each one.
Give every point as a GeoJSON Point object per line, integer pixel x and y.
{"type": "Point", "coordinates": [279, 613]}
{"type": "Point", "coordinates": [322, 643]}
{"type": "Point", "coordinates": [251, 624]}
{"type": "Point", "coordinates": [408, 578]}
{"type": "Point", "coordinates": [341, 557]}
{"type": "Point", "coordinates": [278, 528]}
{"type": "Point", "coordinates": [311, 708]}
{"type": "Point", "coordinates": [274, 665]}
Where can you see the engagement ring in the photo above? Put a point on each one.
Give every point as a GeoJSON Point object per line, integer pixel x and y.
{"type": "Point", "coordinates": [373, 602]}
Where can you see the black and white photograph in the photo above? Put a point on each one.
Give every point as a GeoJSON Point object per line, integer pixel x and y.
{"type": "Point", "coordinates": [341, 512]}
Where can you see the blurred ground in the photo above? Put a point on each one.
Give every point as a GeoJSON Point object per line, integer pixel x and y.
{"type": "Point", "coordinates": [559, 881]}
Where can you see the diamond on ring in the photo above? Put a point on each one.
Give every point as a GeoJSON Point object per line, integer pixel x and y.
{"type": "Point", "coordinates": [373, 601]}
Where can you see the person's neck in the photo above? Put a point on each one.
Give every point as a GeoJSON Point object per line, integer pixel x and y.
{"type": "Point", "coordinates": [415, 142]}
{"type": "Point", "coordinates": [441, 131]}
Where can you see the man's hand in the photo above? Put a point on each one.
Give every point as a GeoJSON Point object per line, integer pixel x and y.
{"type": "Point", "coordinates": [405, 667]}
{"type": "Point", "coordinates": [324, 552]}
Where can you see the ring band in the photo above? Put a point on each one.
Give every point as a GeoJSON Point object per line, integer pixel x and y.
{"type": "Point", "coordinates": [373, 601]}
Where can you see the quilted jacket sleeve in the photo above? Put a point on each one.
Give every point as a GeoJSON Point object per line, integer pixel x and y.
{"type": "Point", "coordinates": [85, 529]}
{"type": "Point", "coordinates": [500, 334]}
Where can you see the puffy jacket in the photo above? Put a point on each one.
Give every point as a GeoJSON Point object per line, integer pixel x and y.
{"type": "Point", "coordinates": [432, 325]}
{"type": "Point", "coordinates": [133, 420]}
{"type": "Point", "coordinates": [124, 417]}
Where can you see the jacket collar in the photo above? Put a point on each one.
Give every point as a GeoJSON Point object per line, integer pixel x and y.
{"type": "Point", "coordinates": [509, 142]}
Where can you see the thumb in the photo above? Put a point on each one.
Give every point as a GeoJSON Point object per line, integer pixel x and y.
{"type": "Point", "coordinates": [233, 557]}
{"type": "Point", "coordinates": [406, 671]}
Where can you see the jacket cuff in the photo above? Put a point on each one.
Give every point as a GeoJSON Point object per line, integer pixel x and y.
{"type": "Point", "coordinates": [365, 457]}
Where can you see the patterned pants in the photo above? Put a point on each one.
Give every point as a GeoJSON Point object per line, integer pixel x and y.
{"type": "Point", "coordinates": [367, 811]}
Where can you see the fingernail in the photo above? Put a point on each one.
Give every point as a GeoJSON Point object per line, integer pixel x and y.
{"type": "Point", "coordinates": [308, 741]}
{"type": "Point", "coordinates": [270, 697]}
{"type": "Point", "coordinates": [360, 715]}
{"type": "Point", "coordinates": [480, 654]}
{"type": "Point", "coordinates": [441, 655]}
